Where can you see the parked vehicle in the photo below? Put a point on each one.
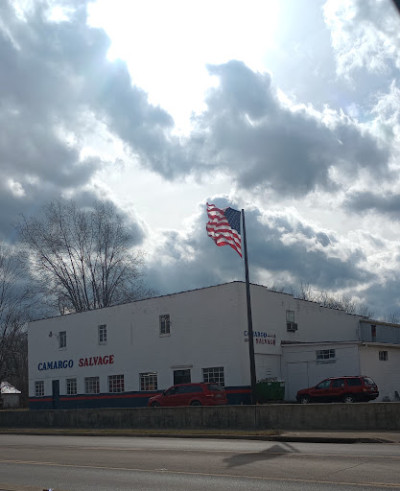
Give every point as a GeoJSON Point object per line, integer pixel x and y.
{"type": "Point", "coordinates": [200, 394]}
{"type": "Point", "coordinates": [340, 389]}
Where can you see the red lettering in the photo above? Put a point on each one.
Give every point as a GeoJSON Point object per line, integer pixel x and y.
{"type": "Point", "coordinates": [98, 360]}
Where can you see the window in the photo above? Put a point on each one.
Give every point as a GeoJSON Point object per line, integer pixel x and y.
{"type": "Point", "coordinates": [62, 339]}
{"type": "Point", "coordinates": [325, 384]}
{"type": "Point", "coordinates": [326, 355]}
{"type": "Point", "coordinates": [291, 325]}
{"type": "Point", "coordinates": [92, 385]}
{"type": "Point", "coordinates": [338, 383]}
{"type": "Point", "coordinates": [39, 388]}
{"type": "Point", "coordinates": [383, 356]}
{"type": "Point", "coordinates": [116, 383]}
{"type": "Point", "coordinates": [102, 330]}
{"type": "Point", "coordinates": [165, 324]}
{"type": "Point", "coordinates": [215, 375]}
{"type": "Point", "coordinates": [354, 382]}
{"type": "Point", "coordinates": [148, 381]}
{"type": "Point", "coordinates": [182, 376]}
{"type": "Point", "coordinates": [71, 386]}
{"type": "Point", "coordinates": [290, 316]}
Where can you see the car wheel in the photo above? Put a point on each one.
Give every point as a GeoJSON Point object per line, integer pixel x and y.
{"type": "Point", "coordinates": [195, 403]}
{"type": "Point", "coordinates": [155, 404]}
{"type": "Point", "coordinates": [304, 400]}
{"type": "Point", "coordinates": [349, 399]}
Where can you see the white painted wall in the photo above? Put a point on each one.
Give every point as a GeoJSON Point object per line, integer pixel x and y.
{"type": "Point", "coordinates": [385, 373]}
{"type": "Point", "coordinates": [208, 329]}
{"type": "Point", "coordinates": [301, 368]}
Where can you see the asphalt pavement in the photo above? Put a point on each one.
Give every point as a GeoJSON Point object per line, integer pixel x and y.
{"type": "Point", "coordinates": [267, 435]}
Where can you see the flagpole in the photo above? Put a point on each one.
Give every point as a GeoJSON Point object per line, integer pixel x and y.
{"type": "Point", "coordinates": [249, 318]}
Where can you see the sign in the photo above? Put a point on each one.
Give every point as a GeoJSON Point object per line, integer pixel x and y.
{"type": "Point", "coordinates": [261, 337]}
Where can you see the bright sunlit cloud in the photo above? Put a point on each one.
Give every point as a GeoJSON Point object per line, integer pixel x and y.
{"type": "Point", "coordinates": [167, 45]}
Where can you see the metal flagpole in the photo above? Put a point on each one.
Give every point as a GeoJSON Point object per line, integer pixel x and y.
{"type": "Point", "coordinates": [249, 318]}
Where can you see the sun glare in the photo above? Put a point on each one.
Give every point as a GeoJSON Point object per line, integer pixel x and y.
{"type": "Point", "coordinates": [167, 45]}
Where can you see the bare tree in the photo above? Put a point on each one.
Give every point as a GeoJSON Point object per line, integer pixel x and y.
{"type": "Point", "coordinates": [14, 314]}
{"type": "Point", "coordinates": [82, 257]}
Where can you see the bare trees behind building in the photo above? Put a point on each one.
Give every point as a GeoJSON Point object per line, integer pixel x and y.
{"type": "Point", "coordinates": [82, 258]}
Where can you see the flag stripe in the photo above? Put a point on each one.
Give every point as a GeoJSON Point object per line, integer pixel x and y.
{"type": "Point", "coordinates": [221, 231]}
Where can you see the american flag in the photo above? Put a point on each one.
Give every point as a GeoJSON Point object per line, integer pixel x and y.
{"type": "Point", "coordinates": [224, 227]}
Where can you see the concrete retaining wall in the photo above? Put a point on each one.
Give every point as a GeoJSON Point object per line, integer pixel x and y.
{"type": "Point", "coordinates": [368, 417]}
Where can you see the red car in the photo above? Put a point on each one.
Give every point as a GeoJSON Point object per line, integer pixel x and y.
{"type": "Point", "coordinates": [340, 389]}
{"type": "Point", "coordinates": [201, 394]}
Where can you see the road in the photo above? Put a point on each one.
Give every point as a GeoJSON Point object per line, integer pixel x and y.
{"type": "Point", "coordinates": [77, 463]}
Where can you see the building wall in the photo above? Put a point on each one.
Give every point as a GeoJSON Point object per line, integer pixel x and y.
{"type": "Point", "coordinates": [208, 329]}
{"type": "Point", "coordinates": [385, 372]}
{"type": "Point", "coordinates": [302, 368]}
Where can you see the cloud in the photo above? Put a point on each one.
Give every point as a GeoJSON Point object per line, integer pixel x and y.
{"type": "Point", "coordinates": [261, 142]}
{"type": "Point", "coordinates": [277, 246]}
{"type": "Point", "coordinates": [384, 203]}
{"type": "Point", "coordinates": [57, 90]}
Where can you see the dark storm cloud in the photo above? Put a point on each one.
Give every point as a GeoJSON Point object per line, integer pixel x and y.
{"type": "Point", "coordinates": [197, 261]}
{"type": "Point", "coordinates": [247, 131]}
{"type": "Point", "coordinates": [384, 203]}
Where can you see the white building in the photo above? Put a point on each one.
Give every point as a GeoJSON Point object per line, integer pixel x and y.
{"type": "Point", "coordinates": [118, 356]}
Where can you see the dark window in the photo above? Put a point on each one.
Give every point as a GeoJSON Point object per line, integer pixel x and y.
{"type": "Point", "coordinates": [215, 387]}
{"type": "Point", "coordinates": [353, 382]}
{"type": "Point", "coordinates": [338, 383]}
{"type": "Point", "coordinates": [182, 376]}
{"type": "Point", "coordinates": [62, 339]}
{"type": "Point", "coordinates": [325, 384]}
{"type": "Point", "coordinates": [102, 332]}
{"type": "Point", "coordinates": [165, 324]}
{"type": "Point", "coordinates": [383, 356]}
{"type": "Point", "coordinates": [326, 355]}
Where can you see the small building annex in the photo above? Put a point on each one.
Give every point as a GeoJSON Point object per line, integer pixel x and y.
{"type": "Point", "coordinates": [120, 356]}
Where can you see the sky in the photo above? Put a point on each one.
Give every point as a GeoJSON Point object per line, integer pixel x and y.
{"type": "Point", "coordinates": [287, 109]}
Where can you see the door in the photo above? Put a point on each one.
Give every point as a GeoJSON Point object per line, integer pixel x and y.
{"type": "Point", "coordinates": [56, 393]}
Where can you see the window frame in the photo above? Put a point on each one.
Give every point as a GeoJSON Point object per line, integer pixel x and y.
{"type": "Point", "coordinates": [92, 382]}
{"type": "Point", "coordinates": [62, 339]}
{"type": "Point", "coordinates": [39, 388]}
{"type": "Point", "coordinates": [148, 381]}
{"type": "Point", "coordinates": [116, 383]}
{"type": "Point", "coordinates": [326, 355]}
{"type": "Point", "coordinates": [165, 324]}
{"type": "Point", "coordinates": [71, 386]}
{"type": "Point", "coordinates": [383, 355]}
{"type": "Point", "coordinates": [102, 334]}
{"type": "Point", "coordinates": [214, 375]}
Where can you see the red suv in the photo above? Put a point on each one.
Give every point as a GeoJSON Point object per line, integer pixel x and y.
{"type": "Point", "coordinates": [201, 394]}
{"type": "Point", "coordinates": [340, 389]}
